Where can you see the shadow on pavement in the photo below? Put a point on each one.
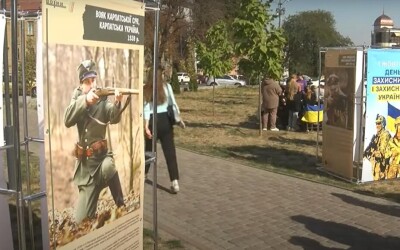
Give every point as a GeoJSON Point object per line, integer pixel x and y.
{"type": "Point", "coordinates": [294, 141]}
{"type": "Point", "coordinates": [160, 187]}
{"type": "Point", "coordinates": [309, 244]}
{"type": "Point", "coordinates": [385, 209]}
{"type": "Point", "coordinates": [353, 237]}
{"type": "Point", "coordinates": [279, 158]}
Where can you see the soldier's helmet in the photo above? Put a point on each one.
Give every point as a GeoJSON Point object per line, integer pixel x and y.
{"type": "Point", "coordinates": [397, 121]}
{"type": "Point", "coordinates": [380, 119]}
{"type": "Point", "coordinates": [86, 69]}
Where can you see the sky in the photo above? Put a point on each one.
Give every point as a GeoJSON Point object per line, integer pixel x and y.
{"type": "Point", "coordinates": [354, 18]}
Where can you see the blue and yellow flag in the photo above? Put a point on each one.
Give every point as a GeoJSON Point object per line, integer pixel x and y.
{"type": "Point", "coordinates": [393, 113]}
{"type": "Point", "coordinates": [313, 114]}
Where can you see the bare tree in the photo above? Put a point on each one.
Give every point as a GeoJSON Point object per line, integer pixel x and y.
{"type": "Point", "coordinates": [182, 21]}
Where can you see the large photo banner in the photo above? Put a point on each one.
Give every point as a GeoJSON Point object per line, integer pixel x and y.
{"type": "Point", "coordinates": [92, 81]}
{"type": "Point", "coordinates": [343, 72]}
{"type": "Point", "coordinates": [382, 131]}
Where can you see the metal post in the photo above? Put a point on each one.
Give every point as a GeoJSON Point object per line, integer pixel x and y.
{"type": "Point", "coordinates": [280, 11]}
{"type": "Point", "coordinates": [8, 129]}
{"type": "Point", "coordinates": [360, 128]}
{"type": "Point", "coordinates": [154, 125]}
{"type": "Point", "coordinates": [25, 127]}
{"type": "Point", "coordinates": [6, 73]}
{"type": "Point", "coordinates": [319, 99]}
{"type": "Point", "coordinates": [17, 151]}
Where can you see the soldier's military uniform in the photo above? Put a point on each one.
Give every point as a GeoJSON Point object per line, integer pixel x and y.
{"type": "Point", "coordinates": [94, 168]}
{"type": "Point", "coordinates": [393, 153]}
{"type": "Point", "coordinates": [377, 157]}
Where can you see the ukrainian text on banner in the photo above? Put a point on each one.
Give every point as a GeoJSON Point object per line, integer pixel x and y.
{"type": "Point", "coordinates": [381, 151]}
{"type": "Point", "coordinates": [94, 150]}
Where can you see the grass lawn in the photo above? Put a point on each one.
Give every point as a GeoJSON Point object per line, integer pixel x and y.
{"type": "Point", "coordinates": [224, 123]}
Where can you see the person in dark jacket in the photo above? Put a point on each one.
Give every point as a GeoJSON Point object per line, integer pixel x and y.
{"type": "Point", "coordinates": [310, 97]}
{"type": "Point", "coordinates": [294, 103]}
{"type": "Point", "coordinates": [283, 113]}
{"type": "Point", "coordinates": [270, 96]}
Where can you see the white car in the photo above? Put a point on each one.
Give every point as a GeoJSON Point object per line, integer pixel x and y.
{"type": "Point", "coordinates": [316, 82]}
{"type": "Point", "coordinates": [183, 77]}
{"type": "Point", "coordinates": [224, 80]}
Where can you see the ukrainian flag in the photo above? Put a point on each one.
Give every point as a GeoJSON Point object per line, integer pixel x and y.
{"type": "Point", "coordinates": [312, 113]}
{"type": "Point", "coordinates": [393, 113]}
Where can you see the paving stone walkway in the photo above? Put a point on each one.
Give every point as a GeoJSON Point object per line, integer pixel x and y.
{"type": "Point", "coordinates": [225, 205]}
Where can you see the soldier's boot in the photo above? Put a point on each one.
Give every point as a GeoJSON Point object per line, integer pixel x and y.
{"type": "Point", "coordinates": [116, 190]}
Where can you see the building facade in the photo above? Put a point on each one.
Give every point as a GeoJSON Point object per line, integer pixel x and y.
{"type": "Point", "coordinates": [385, 35]}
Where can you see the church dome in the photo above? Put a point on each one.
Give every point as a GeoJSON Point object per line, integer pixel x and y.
{"type": "Point", "coordinates": [383, 20]}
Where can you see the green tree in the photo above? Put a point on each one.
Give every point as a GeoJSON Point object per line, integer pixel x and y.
{"type": "Point", "coordinates": [30, 67]}
{"type": "Point", "coordinates": [257, 40]}
{"type": "Point", "coordinates": [175, 83]}
{"type": "Point", "coordinates": [306, 33]}
{"type": "Point", "coordinates": [190, 61]}
{"type": "Point", "coordinates": [205, 13]}
{"type": "Point", "coordinates": [216, 52]}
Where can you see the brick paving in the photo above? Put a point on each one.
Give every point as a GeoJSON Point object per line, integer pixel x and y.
{"type": "Point", "coordinates": [225, 205]}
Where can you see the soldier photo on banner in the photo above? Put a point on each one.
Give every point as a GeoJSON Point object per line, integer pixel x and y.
{"type": "Point", "coordinates": [392, 154]}
{"type": "Point", "coordinates": [382, 136]}
{"type": "Point", "coordinates": [383, 151]}
{"type": "Point", "coordinates": [376, 149]}
{"type": "Point", "coordinates": [339, 97]}
{"type": "Point", "coordinates": [94, 143]}
{"type": "Point", "coordinates": [94, 167]}
{"type": "Point", "coordinates": [95, 140]}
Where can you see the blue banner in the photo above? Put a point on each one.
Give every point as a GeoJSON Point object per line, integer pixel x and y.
{"type": "Point", "coordinates": [382, 109]}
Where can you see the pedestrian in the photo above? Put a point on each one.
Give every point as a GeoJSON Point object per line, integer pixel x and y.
{"type": "Point", "coordinates": [302, 82]}
{"type": "Point", "coordinates": [94, 167]}
{"type": "Point", "coordinates": [282, 115]}
{"type": "Point", "coordinates": [165, 129]}
{"type": "Point", "coordinates": [270, 96]}
{"type": "Point", "coordinates": [310, 96]}
{"type": "Point", "coordinates": [294, 103]}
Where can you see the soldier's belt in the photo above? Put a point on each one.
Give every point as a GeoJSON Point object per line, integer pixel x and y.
{"type": "Point", "coordinates": [95, 149]}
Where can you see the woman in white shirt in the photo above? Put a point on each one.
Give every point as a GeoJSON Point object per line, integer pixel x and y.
{"type": "Point", "coordinates": [165, 131]}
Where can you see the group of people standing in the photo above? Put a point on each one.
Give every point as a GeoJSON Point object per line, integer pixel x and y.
{"type": "Point", "coordinates": [284, 105]}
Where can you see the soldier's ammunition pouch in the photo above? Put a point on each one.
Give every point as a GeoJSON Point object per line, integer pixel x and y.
{"type": "Point", "coordinates": [97, 148]}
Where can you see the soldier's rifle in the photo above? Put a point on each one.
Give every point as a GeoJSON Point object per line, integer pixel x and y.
{"type": "Point", "coordinates": [107, 91]}
{"type": "Point", "coordinates": [372, 147]}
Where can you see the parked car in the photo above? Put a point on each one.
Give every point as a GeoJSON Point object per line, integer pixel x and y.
{"type": "Point", "coordinates": [283, 81]}
{"type": "Point", "coordinates": [238, 77]}
{"type": "Point", "coordinates": [316, 82]}
{"type": "Point", "coordinates": [225, 80]}
{"type": "Point", "coordinates": [201, 79]}
{"type": "Point", "coordinates": [183, 77]}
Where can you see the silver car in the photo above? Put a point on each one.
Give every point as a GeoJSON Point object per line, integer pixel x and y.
{"type": "Point", "coordinates": [224, 81]}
